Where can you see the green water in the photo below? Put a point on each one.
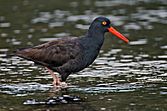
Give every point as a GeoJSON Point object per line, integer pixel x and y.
{"type": "Point", "coordinates": [125, 77]}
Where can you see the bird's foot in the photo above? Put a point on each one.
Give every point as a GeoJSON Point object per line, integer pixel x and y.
{"type": "Point", "coordinates": [59, 84]}
{"type": "Point", "coordinates": [56, 83]}
{"type": "Point", "coordinates": [63, 85]}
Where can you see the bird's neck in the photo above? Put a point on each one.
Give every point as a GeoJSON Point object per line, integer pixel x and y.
{"type": "Point", "coordinates": [96, 35]}
{"type": "Point", "coordinates": [95, 39]}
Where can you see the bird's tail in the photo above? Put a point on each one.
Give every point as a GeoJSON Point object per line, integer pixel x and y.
{"type": "Point", "coordinates": [26, 53]}
{"type": "Point", "coordinates": [21, 52]}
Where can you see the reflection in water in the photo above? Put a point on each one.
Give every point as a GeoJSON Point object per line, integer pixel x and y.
{"type": "Point", "coordinates": [123, 77]}
{"type": "Point", "coordinates": [65, 99]}
{"type": "Point", "coordinates": [56, 96]}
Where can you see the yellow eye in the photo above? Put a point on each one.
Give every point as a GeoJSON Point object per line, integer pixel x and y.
{"type": "Point", "coordinates": [104, 23]}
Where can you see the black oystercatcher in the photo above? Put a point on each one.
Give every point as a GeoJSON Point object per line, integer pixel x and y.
{"type": "Point", "coordinates": [70, 55]}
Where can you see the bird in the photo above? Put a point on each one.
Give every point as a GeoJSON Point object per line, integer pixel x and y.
{"type": "Point", "coordinates": [69, 55]}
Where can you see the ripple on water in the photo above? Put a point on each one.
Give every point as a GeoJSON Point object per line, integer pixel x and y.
{"type": "Point", "coordinates": [132, 26]}
{"type": "Point", "coordinates": [53, 38]}
{"type": "Point", "coordinates": [4, 50]}
{"type": "Point", "coordinates": [150, 16]}
{"type": "Point", "coordinates": [109, 88]}
{"type": "Point", "coordinates": [5, 25]}
{"type": "Point", "coordinates": [155, 80]}
{"type": "Point", "coordinates": [164, 47]}
{"type": "Point", "coordinates": [163, 75]}
{"type": "Point", "coordinates": [127, 56]}
{"type": "Point", "coordinates": [5, 69]}
{"type": "Point", "coordinates": [57, 21]}
{"type": "Point", "coordinates": [47, 39]}
{"type": "Point", "coordinates": [138, 42]}
{"type": "Point", "coordinates": [162, 56]}
{"type": "Point", "coordinates": [56, 24]}
{"type": "Point", "coordinates": [114, 51]}
{"type": "Point", "coordinates": [23, 88]}
{"type": "Point", "coordinates": [2, 55]}
{"type": "Point", "coordinates": [4, 35]}
{"type": "Point", "coordinates": [63, 34]}
{"type": "Point", "coordinates": [109, 3]}
{"type": "Point", "coordinates": [80, 26]}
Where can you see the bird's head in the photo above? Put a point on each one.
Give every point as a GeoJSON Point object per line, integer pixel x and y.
{"type": "Point", "coordinates": [103, 24]}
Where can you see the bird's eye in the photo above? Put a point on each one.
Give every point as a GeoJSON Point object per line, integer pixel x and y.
{"type": "Point", "coordinates": [104, 23]}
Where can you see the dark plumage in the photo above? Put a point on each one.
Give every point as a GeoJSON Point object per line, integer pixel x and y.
{"type": "Point", "coordinates": [70, 55]}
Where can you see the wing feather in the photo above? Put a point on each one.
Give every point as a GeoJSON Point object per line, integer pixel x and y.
{"type": "Point", "coordinates": [54, 53]}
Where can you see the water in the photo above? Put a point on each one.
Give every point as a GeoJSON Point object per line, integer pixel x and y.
{"type": "Point", "coordinates": [124, 77]}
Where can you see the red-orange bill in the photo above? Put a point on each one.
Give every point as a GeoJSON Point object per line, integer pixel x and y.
{"type": "Point", "coordinates": [119, 35]}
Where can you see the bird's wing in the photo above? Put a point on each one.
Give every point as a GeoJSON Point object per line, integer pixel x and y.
{"type": "Point", "coordinates": [54, 53]}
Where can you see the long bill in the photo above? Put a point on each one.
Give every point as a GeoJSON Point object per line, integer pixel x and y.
{"type": "Point", "coordinates": [119, 35]}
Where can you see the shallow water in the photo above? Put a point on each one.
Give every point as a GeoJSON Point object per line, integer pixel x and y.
{"type": "Point", "coordinates": [124, 77]}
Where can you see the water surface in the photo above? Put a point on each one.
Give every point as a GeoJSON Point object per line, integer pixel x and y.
{"type": "Point", "coordinates": [124, 77]}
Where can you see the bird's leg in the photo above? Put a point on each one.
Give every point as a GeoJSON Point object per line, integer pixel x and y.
{"type": "Point", "coordinates": [56, 80]}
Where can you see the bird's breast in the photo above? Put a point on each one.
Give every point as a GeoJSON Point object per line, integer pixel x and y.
{"type": "Point", "coordinates": [90, 50]}
{"type": "Point", "coordinates": [89, 57]}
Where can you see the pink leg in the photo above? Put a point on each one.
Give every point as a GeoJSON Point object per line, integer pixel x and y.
{"type": "Point", "coordinates": [56, 80]}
